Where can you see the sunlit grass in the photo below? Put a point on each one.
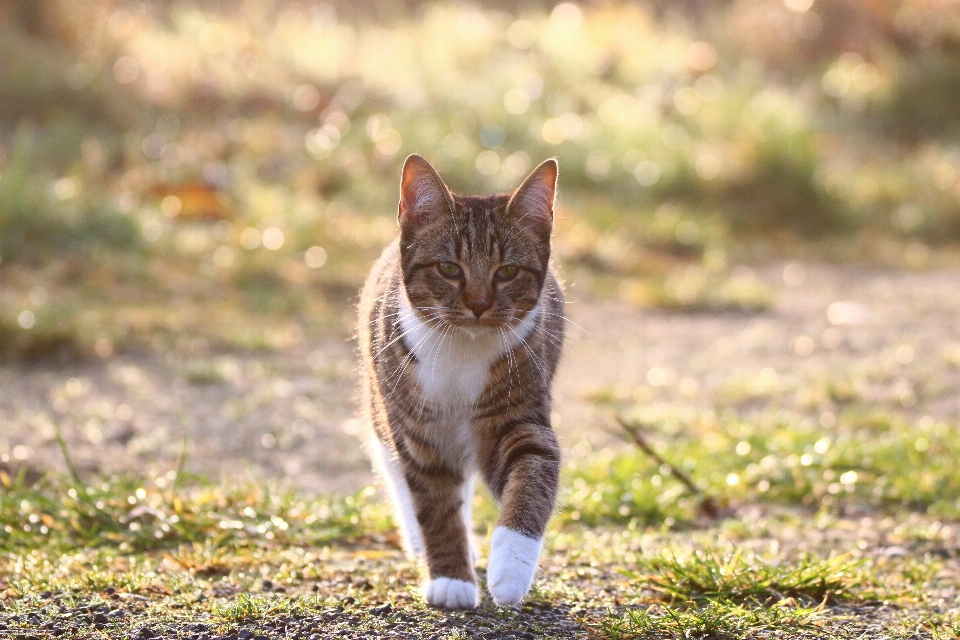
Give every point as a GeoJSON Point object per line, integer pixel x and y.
{"type": "Point", "coordinates": [247, 607]}
{"type": "Point", "coordinates": [242, 556]}
{"type": "Point", "coordinates": [876, 460]}
{"type": "Point", "coordinates": [738, 576]}
{"type": "Point", "coordinates": [720, 620]}
{"type": "Point", "coordinates": [135, 515]}
{"type": "Point", "coordinates": [676, 153]}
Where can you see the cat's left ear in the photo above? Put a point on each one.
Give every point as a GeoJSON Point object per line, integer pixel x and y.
{"type": "Point", "coordinates": [534, 199]}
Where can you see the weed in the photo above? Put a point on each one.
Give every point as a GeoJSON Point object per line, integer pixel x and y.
{"type": "Point", "coordinates": [741, 576]}
{"type": "Point", "coordinates": [246, 607]}
{"type": "Point", "coordinates": [718, 620]}
{"type": "Point", "coordinates": [942, 626]}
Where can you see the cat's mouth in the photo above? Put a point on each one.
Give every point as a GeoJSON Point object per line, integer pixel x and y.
{"type": "Point", "coordinates": [485, 324]}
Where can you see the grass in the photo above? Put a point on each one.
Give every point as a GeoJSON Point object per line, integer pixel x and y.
{"type": "Point", "coordinates": [684, 151]}
{"type": "Point", "coordinates": [171, 552]}
{"type": "Point", "coordinates": [718, 620]}
{"type": "Point", "coordinates": [742, 577]}
{"type": "Point", "coordinates": [717, 595]}
{"type": "Point", "coordinates": [874, 460]}
{"type": "Point", "coordinates": [134, 515]}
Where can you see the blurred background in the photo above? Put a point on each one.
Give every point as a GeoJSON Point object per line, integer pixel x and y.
{"type": "Point", "coordinates": [759, 212]}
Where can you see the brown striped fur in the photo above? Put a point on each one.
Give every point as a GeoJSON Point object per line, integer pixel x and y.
{"type": "Point", "coordinates": [441, 440]}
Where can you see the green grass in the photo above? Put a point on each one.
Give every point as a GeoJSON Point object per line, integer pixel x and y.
{"type": "Point", "coordinates": [874, 459]}
{"type": "Point", "coordinates": [727, 595]}
{"type": "Point", "coordinates": [798, 544]}
{"type": "Point", "coordinates": [43, 216]}
{"type": "Point", "coordinates": [234, 556]}
{"type": "Point", "coordinates": [743, 576]}
{"type": "Point", "coordinates": [683, 151]}
{"type": "Point", "coordinates": [720, 620]}
{"type": "Point", "coordinates": [247, 607]}
{"type": "Point", "coordinates": [135, 515]}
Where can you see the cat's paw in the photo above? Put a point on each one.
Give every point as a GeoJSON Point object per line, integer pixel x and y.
{"type": "Point", "coordinates": [451, 593]}
{"type": "Point", "coordinates": [513, 561]}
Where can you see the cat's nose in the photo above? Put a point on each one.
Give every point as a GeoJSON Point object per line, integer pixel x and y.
{"type": "Point", "coordinates": [478, 306]}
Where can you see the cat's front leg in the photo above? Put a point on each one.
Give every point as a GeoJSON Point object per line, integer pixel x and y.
{"type": "Point", "coordinates": [437, 493]}
{"type": "Point", "coordinates": [525, 477]}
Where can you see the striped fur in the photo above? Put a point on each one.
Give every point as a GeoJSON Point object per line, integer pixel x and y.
{"type": "Point", "coordinates": [456, 373]}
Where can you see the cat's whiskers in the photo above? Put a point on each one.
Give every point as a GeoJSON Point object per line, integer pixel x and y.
{"type": "Point", "coordinates": [422, 322]}
{"type": "Point", "coordinates": [410, 357]}
{"type": "Point", "coordinates": [563, 317]}
{"type": "Point", "coordinates": [547, 335]}
{"type": "Point", "coordinates": [401, 334]}
{"type": "Point", "coordinates": [537, 362]}
{"type": "Point", "coordinates": [511, 360]}
{"type": "Point", "coordinates": [386, 315]}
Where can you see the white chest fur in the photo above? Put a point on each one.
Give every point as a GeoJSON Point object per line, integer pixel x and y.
{"type": "Point", "coordinates": [453, 364]}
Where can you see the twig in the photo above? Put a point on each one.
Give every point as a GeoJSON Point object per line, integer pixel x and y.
{"type": "Point", "coordinates": [707, 504]}
{"type": "Point", "coordinates": [58, 434]}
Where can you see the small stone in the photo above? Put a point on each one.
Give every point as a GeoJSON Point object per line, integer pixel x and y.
{"type": "Point", "coordinates": [267, 585]}
{"type": "Point", "coordinates": [381, 610]}
{"type": "Point", "coordinates": [245, 634]}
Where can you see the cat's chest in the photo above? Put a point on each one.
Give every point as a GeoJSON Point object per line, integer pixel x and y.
{"type": "Point", "coordinates": [452, 366]}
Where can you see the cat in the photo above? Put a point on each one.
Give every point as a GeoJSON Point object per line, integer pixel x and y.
{"type": "Point", "coordinates": [461, 329]}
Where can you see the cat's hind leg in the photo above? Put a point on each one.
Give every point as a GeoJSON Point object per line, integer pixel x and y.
{"type": "Point", "coordinates": [392, 473]}
{"type": "Point", "coordinates": [466, 513]}
{"type": "Point", "coordinates": [438, 497]}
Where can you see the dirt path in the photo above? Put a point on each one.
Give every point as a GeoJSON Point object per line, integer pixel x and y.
{"type": "Point", "coordinates": [861, 335]}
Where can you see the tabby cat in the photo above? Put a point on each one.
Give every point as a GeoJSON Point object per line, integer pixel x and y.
{"type": "Point", "coordinates": [461, 327]}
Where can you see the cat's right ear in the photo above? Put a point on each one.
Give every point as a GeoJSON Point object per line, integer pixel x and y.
{"type": "Point", "coordinates": [422, 192]}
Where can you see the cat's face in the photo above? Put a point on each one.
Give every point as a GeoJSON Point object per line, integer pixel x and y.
{"type": "Point", "coordinates": [474, 261]}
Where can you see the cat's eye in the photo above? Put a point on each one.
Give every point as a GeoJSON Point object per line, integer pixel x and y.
{"type": "Point", "coordinates": [507, 272]}
{"type": "Point", "coordinates": [449, 269]}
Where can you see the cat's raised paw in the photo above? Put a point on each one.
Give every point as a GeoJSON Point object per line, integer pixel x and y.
{"type": "Point", "coordinates": [513, 561]}
{"type": "Point", "coordinates": [451, 593]}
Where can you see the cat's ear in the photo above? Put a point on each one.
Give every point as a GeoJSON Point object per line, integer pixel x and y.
{"type": "Point", "coordinates": [534, 199]}
{"type": "Point", "coordinates": [422, 192]}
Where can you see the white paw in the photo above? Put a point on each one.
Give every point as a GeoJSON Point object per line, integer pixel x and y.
{"type": "Point", "coordinates": [451, 593]}
{"type": "Point", "coordinates": [513, 561]}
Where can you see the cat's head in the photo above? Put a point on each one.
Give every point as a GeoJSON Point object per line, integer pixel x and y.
{"type": "Point", "coordinates": [474, 261]}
